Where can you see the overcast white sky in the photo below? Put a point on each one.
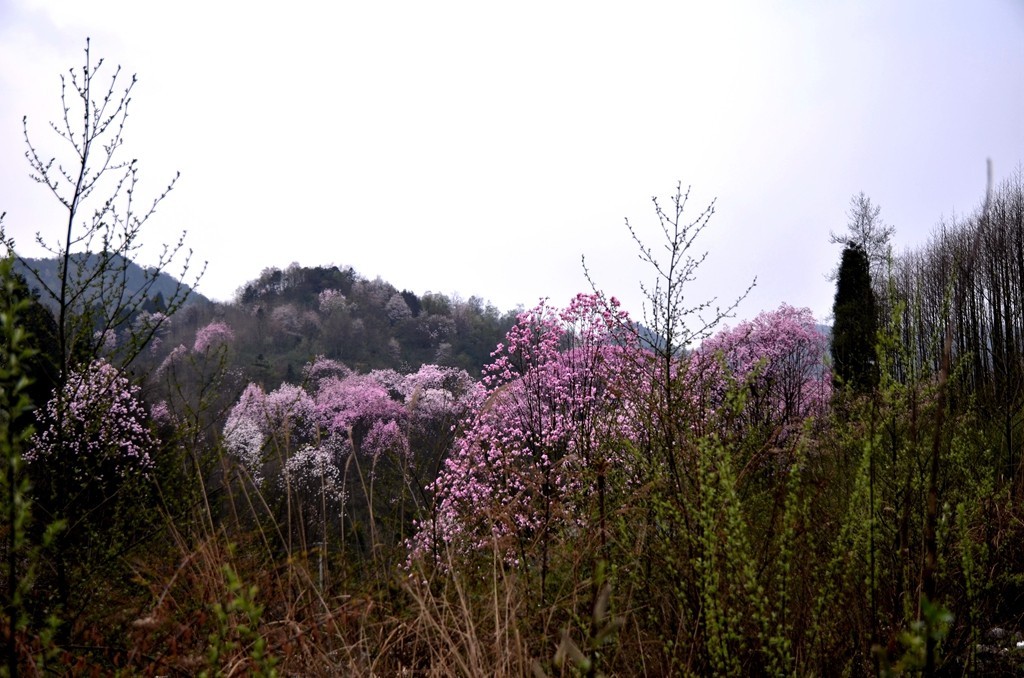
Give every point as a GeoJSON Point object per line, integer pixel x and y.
{"type": "Point", "coordinates": [481, 148]}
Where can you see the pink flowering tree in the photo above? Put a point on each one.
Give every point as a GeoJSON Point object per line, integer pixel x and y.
{"type": "Point", "coordinates": [262, 427]}
{"type": "Point", "coordinates": [312, 482]}
{"type": "Point", "coordinates": [190, 385]}
{"type": "Point", "coordinates": [331, 301]}
{"type": "Point", "coordinates": [777, 361]}
{"type": "Point", "coordinates": [549, 439]}
{"type": "Point", "coordinates": [350, 407]}
{"type": "Point", "coordinates": [436, 399]}
{"type": "Point", "coordinates": [92, 428]}
{"type": "Point", "coordinates": [284, 448]}
{"type": "Point", "coordinates": [564, 433]}
{"type": "Point", "coordinates": [212, 336]}
{"type": "Point", "coordinates": [321, 367]}
{"type": "Point", "coordinates": [189, 392]}
{"type": "Point", "coordinates": [355, 451]}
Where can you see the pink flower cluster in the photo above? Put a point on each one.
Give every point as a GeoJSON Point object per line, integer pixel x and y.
{"type": "Point", "coordinates": [172, 359]}
{"type": "Point", "coordinates": [155, 322]}
{"type": "Point", "coordinates": [555, 405]}
{"type": "Point", "coordinates": [107, 341]}
{"type": "Point", "coordinates": [161, 413]}
{"type": "Point", "coordinates": [321, 368]}
{"type": "Point", "coordinates": [568, 396]}
{"type": "Point", "coordinates": [370, 414]}
{"type": "Point", "coordinates": [102, 430]}
{"type": "Point", "coordinates": [213, 335]}
{"type": "Point", "coordinates": [779, 359]}
{"type": "Point", "coordinates": [331, 301]}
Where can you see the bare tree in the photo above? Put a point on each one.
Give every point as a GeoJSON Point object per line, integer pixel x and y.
{"type": "Point", "coordinates": [92, 298]}
{"type": "Point", "coordinates": [98, 189]}
{"type": "Point", "coordinates": [867, 230]}
{"type": "Point", "coordinates": [673, 322]}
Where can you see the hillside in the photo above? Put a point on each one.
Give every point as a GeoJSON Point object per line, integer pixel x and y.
{"type": "Point", "coordinates": [45, 273]}
{"type": "Point", "coordinates": [287, 317]}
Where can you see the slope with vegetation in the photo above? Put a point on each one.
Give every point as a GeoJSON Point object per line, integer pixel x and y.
{"type": "Point", "coordinates": [329, 476]}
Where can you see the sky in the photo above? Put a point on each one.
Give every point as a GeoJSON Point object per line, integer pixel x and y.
{"type": "Point", "coordinates": [481, 149]}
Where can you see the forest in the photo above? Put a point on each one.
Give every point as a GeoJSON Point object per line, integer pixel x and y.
{"type": "Point", "coordinates": [332, 476]}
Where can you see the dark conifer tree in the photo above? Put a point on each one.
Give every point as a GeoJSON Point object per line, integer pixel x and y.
{"type": "Point", "coordinates": [854, 325]}
{"type": "Point", "coordinates": [41, 367]}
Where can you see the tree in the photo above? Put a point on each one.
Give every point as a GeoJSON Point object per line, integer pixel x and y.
{"type": "Point", "coordinates": [855, 324]}
{"type": "Point", "coordinates": [93, 304]}
{"type": "Point", "coordinates": [673, 321]}
{"type": "Point", "coordinates": [867, 231]}
{"type": "Point", "coordinates": [779, 360]}
{"type": "Point", "coordinates": [350, 450]}
{"type": "Point", "coordinates": [99, 193]}
{"type": "Point", "coordinates": [544, 443]}
{"type": "Point", "coordinates": [105, 429]}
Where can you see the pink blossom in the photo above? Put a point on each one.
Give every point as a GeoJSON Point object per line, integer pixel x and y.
{"type": "Point", "coordinates": [779, 359]}
{"type": "Point", "coordinates": [382, 413]}
{"type": "Point", "coordinates": [290, 403]}
{"type": "Point", "coordinates": [321, 368]}
{"type": "Point", "coordinates": [556, 397]}
{"type": "Point", "coordinates": [103, 427]}
{"type": "Point", "coordinates": [386, 438]}
{"type": "Point", "coordinates": [161, 413]}
{"type": "Point", "coordinates": [286, 411]}
{"type": "Point", "coordinates": [146, 322]}
{"type": "Point", "coordinates": [107, 341]}
{"type": "Point", "coordinates": [172, 359]}
{"type": "Point", "coordinates": [213, 335]}
{"type": "Point", "coordinates": [355, 403]}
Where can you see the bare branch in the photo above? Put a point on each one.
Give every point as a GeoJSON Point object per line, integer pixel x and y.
{"type": "Point", "coordinates": [95, 251]}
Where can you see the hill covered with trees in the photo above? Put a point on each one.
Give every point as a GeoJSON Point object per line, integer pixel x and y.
{"type": "Point", "coordinates": [330, 476]}
{"type": "Point", "coordinates": [287, 317]}
{"type": "Point", "coordinates": [614, 485]}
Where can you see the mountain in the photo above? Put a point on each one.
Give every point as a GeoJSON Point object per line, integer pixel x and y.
{"type": "Point", "coordinates": [45, 273]}
{"type": "Point", "coordinates": [287, 317]}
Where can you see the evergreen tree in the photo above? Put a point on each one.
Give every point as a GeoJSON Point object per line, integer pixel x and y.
{"type": "Point", "coordinates": [855, 323]}
{"type": "Point", "coordinates": [42, 362]}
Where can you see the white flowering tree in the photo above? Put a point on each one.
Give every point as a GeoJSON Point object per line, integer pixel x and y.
{"type": "Point", "coordinates": [92, 433]}
{"type": "Point", "coordinates": [103, 439]}
{"type": "Point", "coordinates": [91, 463]}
